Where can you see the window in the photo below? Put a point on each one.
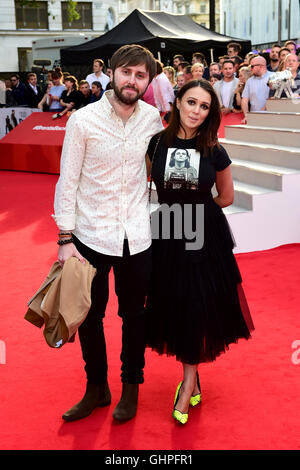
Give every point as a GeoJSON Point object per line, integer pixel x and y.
{"type": "Point", "coordinates": [203, 7]}
{"type": "Point", "coordinates": [86, 17]}
{"type": "Point", "coordinates": [35, 17]}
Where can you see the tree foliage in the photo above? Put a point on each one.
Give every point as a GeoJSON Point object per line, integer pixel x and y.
{"type": "Point", "coordinates": [73, 14]}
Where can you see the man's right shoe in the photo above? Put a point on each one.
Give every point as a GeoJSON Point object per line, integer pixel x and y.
{"type": "Point", "coordinates": [95, 395]}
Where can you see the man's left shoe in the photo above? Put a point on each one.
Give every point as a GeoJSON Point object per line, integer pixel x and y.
{"type": "Point", "coordinates": [127, 406]}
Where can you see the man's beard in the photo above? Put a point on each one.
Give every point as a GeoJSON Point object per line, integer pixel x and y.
{"type": "Point", "coordinates": [274, 59]}
{"type": "Point", "coordinates": [127, 99]}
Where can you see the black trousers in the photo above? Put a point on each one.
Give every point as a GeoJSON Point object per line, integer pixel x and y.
{"type": "Point", "coordinates": [132, 274]}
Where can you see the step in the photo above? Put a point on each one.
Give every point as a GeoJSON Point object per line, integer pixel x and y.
{"type": "Point", "coordinates": [259, 174]}
{"type": "Point", "coordinates": [244, 194]}
{"type": "Point", "coordinates": [274, 119]}
{"type": "Point", "coordinates": [269, 135]}
{"type": "Point", "coordinates": [284, 104]}
{"type": "Point", "coordinates": [279, 155]}
{"type": "Point", "coordinates": [234, 209]}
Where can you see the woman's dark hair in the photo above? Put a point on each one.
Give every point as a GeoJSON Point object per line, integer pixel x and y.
{"type": "Point", "coordinates": [57, 73]}
{"type": "Point", "coordinates": [72, 79]}
{"type": "Point", "coordinates": [207, 132]}
{"type": "Point", "coordinates": [187, 161]}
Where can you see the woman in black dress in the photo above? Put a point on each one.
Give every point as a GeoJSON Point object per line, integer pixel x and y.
{"type": "Point", "coordinates": [70, 97]}
{"type": "Point", "coordinates": [196, 306]}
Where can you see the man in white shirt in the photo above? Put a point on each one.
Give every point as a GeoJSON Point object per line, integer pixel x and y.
{"type": "Point", "coordinates": [98, 75]}
{"type": "Point", "coordinates": [225, 88]}
{"type": "Point", "coordinates": [102, 210]}
{"type": "Point", "coordinates": [256, 90]}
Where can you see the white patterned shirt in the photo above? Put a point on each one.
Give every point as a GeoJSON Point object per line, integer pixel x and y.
{"type": "Point", "coordinates": [102, 192]}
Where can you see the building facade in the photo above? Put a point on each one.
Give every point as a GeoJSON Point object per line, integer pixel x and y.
{"type": "Point", "coordinates": [264, 23]}
{"type": "Point", "coordinates": [24, 29]}
{"type": "Point", "coordinates": [20, 26]}
{"type": "Point", "coordinates": [197, 9]}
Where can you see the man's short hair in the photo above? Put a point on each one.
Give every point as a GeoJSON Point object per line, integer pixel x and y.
{"type": "Point", "coordinates": [290, 42]}
{"type": "Point", "coordinates": [188, 69]}
{"type": "Point", "coordinates": [134, 54]}
{"type": "Point", "coordinates": [225, 57]}
{"type": "Point", "coordinates": [15, 75]}
{"type": "Point", "coordinates": [97, 84]}
{"type": "Point", "coordinates": [184, 64]}
{"type": "Point", "coordinates": [237, 60]}
{"type": "Point", "coordinates": [31, 74]}
{"type": "Point", "coordinates": [201, 57]}
{"type": "Point", "coordinates": [83, 82]}
{"type": "Point", "coordinates": [100, 62]}
{"type": "Point", "coordinates": [284, 49]}
{"type": "Point", "coordinates": [253, 57]}
{"type": "Point", "coordinates": [216, 63]}
{"type": "Point", "coordinates": [228, 61]}
{"type": "Point", "coordinates": [179, 56]}
{"type": "Point", "coordinates": [235, 45]}
{"type": "Point", "coordinates": [276, 45]}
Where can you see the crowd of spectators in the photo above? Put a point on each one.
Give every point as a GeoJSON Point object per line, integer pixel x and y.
{"type": "Point", "coordinates": [241, 83]}
{"type": "Point", "coordinates": [61, 93]}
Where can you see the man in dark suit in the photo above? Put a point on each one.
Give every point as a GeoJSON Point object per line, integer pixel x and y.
{"type": "Point", "coordinates": [33, 93]}
{"type": "Point", "coordinates": [18, 90]}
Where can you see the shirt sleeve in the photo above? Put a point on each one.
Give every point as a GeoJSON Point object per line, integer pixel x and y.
{"type": "Point", "coordinates": [220, 158]}
{"type": "Point", "coordinates": [72, 156]}
{"type": "Point", "coordinates": [246, 93]}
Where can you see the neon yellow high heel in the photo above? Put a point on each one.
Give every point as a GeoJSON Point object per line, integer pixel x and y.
{"type": "Point", "coordinates": [181, 417]}
{"type": "Point", "coordinates": [196, 399]}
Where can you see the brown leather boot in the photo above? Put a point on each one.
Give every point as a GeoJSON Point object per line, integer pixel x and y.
{"type": "Point", "coordinates": [95, 395]}
{"type": "Point", "coordinates": [126, 408]}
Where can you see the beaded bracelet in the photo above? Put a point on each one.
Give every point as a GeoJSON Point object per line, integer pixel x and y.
{"type": "Point", "coordinates": [64, 242]}
{"type": "Point", "coordinates": [63, 234]}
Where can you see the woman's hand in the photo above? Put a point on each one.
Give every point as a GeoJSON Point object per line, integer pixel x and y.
{"type": "Point", "coordinates": [67, 251]}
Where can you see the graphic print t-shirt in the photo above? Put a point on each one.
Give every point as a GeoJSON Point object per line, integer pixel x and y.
{"type": "Point", "coordinates": [182, 169]}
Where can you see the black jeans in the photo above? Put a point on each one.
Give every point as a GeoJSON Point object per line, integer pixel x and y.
{"type": "Point", "coordinates": [132, 274]}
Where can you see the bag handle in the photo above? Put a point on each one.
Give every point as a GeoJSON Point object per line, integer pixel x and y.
{"type": "Point", "coordinates": [151, 179]}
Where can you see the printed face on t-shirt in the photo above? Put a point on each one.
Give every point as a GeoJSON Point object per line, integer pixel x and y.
{"type": "Point", "coordinates": [182, 169]}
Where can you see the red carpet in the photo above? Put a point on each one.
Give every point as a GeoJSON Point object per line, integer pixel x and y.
{"type": "Point", "coordinates": [35, 145]}
{"type": "Point", "coordinates": [251, 394]}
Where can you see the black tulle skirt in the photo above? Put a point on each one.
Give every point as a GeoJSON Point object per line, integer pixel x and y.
{"type": "Point", "coordinates": [196, 306]}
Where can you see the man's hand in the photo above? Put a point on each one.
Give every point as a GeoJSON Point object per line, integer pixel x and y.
{"type": "Point", "coordinates": [67, 251]}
